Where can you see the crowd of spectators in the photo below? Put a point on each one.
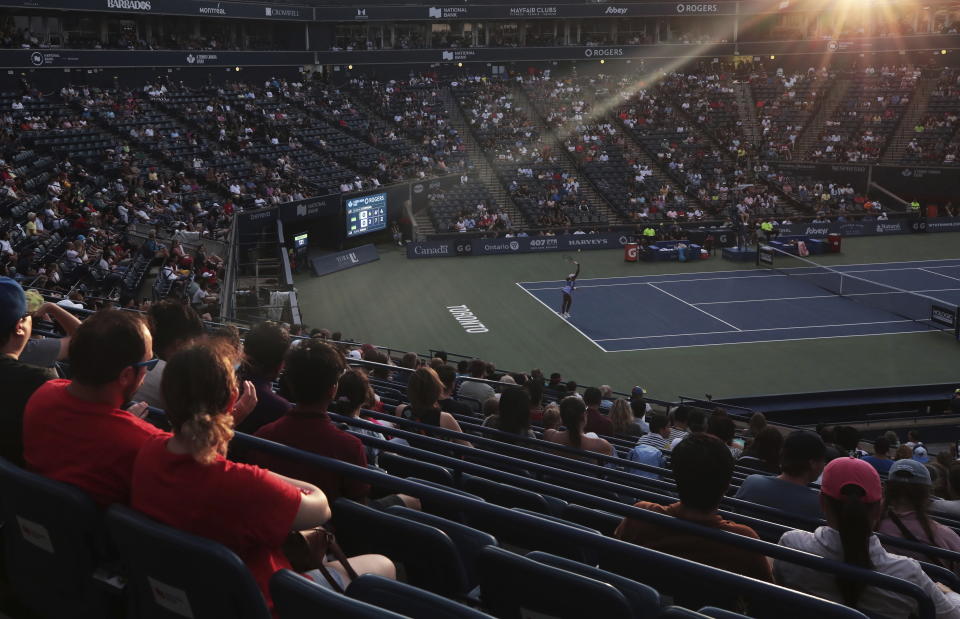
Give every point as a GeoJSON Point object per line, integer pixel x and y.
{"type": "Point", "coordinates": [935, 139]}
{"type": "Point", "coordinates": [535, 175]}
{"type": "Point", "coordinates": [573, 108]}
{"type": "Point", "coordinates": [181, 468]}
{"type": "Point", "coordinates": [84, 206]}
{"type": "Point", "coordinates": [785, 104]}
{"type": "Point", "coordinates": [867, 116]}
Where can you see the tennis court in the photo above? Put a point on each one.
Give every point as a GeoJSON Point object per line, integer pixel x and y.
{"type": "Point", "coordinates": [797, 300]}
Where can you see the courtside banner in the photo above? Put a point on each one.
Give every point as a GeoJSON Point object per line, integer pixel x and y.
{"type": "Point", "coordinates": [441, 249]}
{"type": "Point", "coordinates": [846, 228]}
{"type": "Point", "coordinates": [943, 224]}
{"type": "Point", "coordinates": [515, 245]}
{"type": "Point", "coordinates": [331, 263]}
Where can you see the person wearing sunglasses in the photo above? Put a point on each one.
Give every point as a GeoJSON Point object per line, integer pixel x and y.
{"type": "Point", "coordinates": [77, 431]}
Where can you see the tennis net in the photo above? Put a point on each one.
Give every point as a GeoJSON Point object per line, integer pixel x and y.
{"type": "Point", "coordinates": [933, 312]}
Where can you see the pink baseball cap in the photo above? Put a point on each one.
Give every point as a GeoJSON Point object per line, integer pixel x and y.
{"type": "Point", "coordinates": [843, 472]}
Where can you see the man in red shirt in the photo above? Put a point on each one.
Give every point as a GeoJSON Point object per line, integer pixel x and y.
{"type": "Point", "coordinates": [76, 431]}
{"type": "Point", "coordinates": [702, 466]}
{"type": "Point", "coordinates": [312, 371]}
{"type": "Point", "coordinates": [596, 421]}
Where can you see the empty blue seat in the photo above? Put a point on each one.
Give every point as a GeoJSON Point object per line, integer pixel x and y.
{"type": "Point", "coordinates": [602, 521]}
{"type": "Point", "coordinates": [719, 613]}
{"type": "Point", "coordinates": [640, 596]}
{"type": "Point", "coordinates": [510, 496]}
{"type": "Point", "coordinates": [428, 556]}
{"type": "Point", "coordinates": [172, 574]}
{"type": "Point", "coordinates": [511, 584]}
{"type": "Point", "coordinates": [469, 541]}
{"type": "Point", "coordinates": [296, 597]}
{"type": "Point", "coordinates": [407, 600]}
{"type": "Point", "coordinates": [50, 538]}
{"type": "Point", "coordinates": [401, 466]}
{"type": "Point", "coordinates": [440, 508]}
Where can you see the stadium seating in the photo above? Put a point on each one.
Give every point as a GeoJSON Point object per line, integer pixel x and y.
{"type": "Point", "coordinates": [171, 573]}
{"type": "Point", "coordinates": [296, 597]}
{"type": "Point", "coordinates": [511, 585]}
{"type": "Point", "coordinates": [50, 544]}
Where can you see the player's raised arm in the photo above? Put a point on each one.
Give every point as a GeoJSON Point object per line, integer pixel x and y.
{"type": "Point", "coordinates": [578, 271]}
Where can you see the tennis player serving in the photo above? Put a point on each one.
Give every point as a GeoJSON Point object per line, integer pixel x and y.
{"type": "Point", "coordinates": [568, 289]}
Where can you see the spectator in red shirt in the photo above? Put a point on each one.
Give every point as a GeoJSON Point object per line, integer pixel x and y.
{"type": "Point", "coordinates": [185, 481]}
{"type": "Point", "coordinates": [76, 431]}
{"type": "Point", "coordinates": [597, 422]}
{"type": "Point", "coordinates": [702, 466]}
{"type": "Point", "coordinates": [312, 371]}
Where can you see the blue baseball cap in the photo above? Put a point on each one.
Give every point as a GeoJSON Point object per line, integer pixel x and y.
{"type": "Point", "coordinates": [13, 303]}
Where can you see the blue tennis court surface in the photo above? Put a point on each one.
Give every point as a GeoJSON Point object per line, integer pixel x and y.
{"type": "Point", "coordinates": [647, 312]}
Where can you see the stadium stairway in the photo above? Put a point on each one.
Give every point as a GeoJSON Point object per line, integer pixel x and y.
{"type": "Point", "coordinates": [482, 167]}
{"type": "Point", "coordinates": [587, 189]}
{"type": "Point", "coordinates": [748, 113]}
{"type": "Point", "coordinates": [916, 109]}
{"type": "Point", "coordinates": [811, 133]}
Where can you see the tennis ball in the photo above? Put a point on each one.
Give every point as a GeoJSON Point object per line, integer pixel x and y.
{"type": "Point", "coordinates": [579, 250]}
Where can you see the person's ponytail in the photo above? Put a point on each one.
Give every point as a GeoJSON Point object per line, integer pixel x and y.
{"type": "Point", "coordinates": [200, 389]}
{"type": "Point", "coordinates": [207, 435]}
{"type": "Point", "coordinates": [855, 528]}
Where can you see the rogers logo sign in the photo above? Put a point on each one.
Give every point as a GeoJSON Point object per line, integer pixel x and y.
{"type": "Point", "coordinates": [129, 5]}
{"type": "Point", "coordinates": [697, 8]}
{"type": "Point", "coordinates": [600, 52]}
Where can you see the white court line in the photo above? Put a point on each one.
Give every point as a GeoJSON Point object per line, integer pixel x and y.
{"type": "Point", "coordinates": [829, 296]}
{"type": "Point", "coordinates": [792, 339]}
{"type": "Point", "coordinates": [836, 266]}
{"type": "Point", "coordinates": [695, 307]}
{"type": "Point", "coordinates": [550, 309]}
{"type": "Point", "coordinates": [771, 274]}
{"type": "Point", "coordinates": [845, 324]}
{"type": "Point", "coordinates": [956, 279]}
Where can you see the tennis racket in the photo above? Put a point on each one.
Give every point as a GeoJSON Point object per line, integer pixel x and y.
{"type": "Point", "coordinates": [568, 258]}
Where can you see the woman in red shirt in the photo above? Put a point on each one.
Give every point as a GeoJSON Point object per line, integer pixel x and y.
{"type": "Point", "coordinates": [185, 481]}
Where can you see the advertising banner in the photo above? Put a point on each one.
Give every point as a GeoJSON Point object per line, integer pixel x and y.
{"type": "Point", "coordinates": [65, 59]}
{"type": "Point", "coordinates": [199, 8]}
{"type": "Point", "coordinates": [311, 208]}
{"type": "Point", "coordinates": [512, 11]}
{"type": "Point", "coordinates": [849, 228]}
{"type": "Point", "coordinates": [943, 224]}
{"type": "Point", "coordinates": [331, 263]}
{"type": "Point", "coordinates": [441, 249]}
